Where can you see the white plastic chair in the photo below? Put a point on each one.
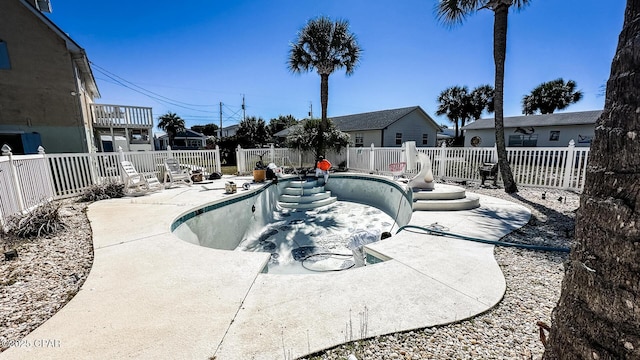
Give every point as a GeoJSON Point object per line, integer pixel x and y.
{"type": "Point", "coordinates": [174, 173]}
{"type": "Point", "coordinates": [138, 183]}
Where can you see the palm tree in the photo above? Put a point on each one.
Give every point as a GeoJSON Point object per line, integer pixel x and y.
{"type": "Point", "coordinates": [460, 105]}
{"type": "Point", "coordinates": [482, 100]}
{"type": "Point", "coordinates": [452, 103]}
{"type": "Point", "coordinates": [172, 124]}
{"type": "Point", "coordinates": [597, 316]}
{"type": "Point", "coordinates": [454, 12]}
{"type": "Point", "coordinates": [551, 96]}
{"type": "Point", "coordinates": [305, 137]}
{"type": "Point", "coordinates": [252, 132]}
{"type": "Point", "coordinates": [325, 46]}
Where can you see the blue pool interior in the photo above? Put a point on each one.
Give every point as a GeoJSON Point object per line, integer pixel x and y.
{"type": "Point", "coordinates": [301, 241]}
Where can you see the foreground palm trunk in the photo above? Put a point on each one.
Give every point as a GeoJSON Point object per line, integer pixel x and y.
{"type": "Point", "coordinates": [598, 314]}
{"type": "Point", "coordinates": [499, 53]}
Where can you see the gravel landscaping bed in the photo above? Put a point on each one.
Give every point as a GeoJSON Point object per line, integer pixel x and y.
{"type": "Point", "coordinates": [47, 273]}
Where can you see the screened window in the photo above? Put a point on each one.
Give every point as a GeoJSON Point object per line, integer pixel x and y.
{"type": "Point", "coordinates": [4, 56]}
{"type": "Point", "coordinates": [398, 138]}
{"type": "Point", "coordinates": [359, 140]}
{"type": "Point", "coordinates": [523, 140]}
{"type": "Point", "coordinates": [140, 136]}
{"type": "Point", "coordinates": [425, 139]}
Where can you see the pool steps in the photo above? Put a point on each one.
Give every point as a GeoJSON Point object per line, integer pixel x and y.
{"type": "Point", "coordinates": [444, 198]}
{"type": "Point", "coordinates": [305, 195]}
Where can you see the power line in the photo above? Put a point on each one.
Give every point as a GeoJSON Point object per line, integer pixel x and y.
{"type": "Point", "coordinates": [157, 97]}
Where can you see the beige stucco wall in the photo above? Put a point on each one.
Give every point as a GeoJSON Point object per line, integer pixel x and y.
{"type": "Point", "coordinates": [36, 93]}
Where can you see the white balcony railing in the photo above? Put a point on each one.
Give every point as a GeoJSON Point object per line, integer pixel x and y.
{"type": "Point", "coordinates": [108, 116]}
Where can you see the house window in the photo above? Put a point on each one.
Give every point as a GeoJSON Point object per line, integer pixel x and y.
{"type": "Point", "coordinates": [194, 143]}
{"type": "Point", "coordinates": [554, 136]}
{"type": "Point", "coordinates": [523, 140]}
{"type": "Point", "coordinates": [140, 136]}
{"type": "Point", "coordinates": [4, 56]}
{"type": "Point", "coordinates": [425, 139]}
{"type": "Point", "coordinates": [359, 139]}
{"type": "Point", "coordinates": [398, 138]}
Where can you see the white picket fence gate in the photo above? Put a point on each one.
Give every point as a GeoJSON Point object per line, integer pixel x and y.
{"type": "Point", "coordinates": [27, 181]}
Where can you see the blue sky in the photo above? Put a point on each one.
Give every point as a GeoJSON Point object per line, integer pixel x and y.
{"type": "Point", "coordinates": [198, 53]}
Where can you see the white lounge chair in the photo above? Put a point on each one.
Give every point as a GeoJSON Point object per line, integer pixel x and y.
{"type": "Point", "coordinates": [174, 173]}
{"type": "Point", "coordinates": [138, 183]}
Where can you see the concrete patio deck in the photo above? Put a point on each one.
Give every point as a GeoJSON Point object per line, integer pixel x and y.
{"type": "Point", "coordinates": [151, 295]}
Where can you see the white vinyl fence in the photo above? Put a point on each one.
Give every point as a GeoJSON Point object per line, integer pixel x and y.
{"type": "Point", "coordinates": [553, 167]}
{"type": "Point", "coordinates": [29, 180]}
{"type": "Point", "coordinates": [247, 158]}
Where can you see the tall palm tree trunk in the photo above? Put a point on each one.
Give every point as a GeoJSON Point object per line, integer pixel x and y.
{"type": "Point", "coordinates": [598, 314]}
{"type": "Point", "coordinates": [499, 54]}
{"type": "Point", "coordinates": [324, 101]}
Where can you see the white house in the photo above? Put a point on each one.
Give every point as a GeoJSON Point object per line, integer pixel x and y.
{"type": "Point", "coordinates": [546, 130]}
{"type": "Point", "coordinates": [386, 128]}
{"type": "Point", "coordinates": [390, 128]}
{"type": "Point", "coordinates": [230, 130]}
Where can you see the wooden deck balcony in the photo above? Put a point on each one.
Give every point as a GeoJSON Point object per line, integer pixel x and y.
{"type": "Point", "coordinates": [119, 116]}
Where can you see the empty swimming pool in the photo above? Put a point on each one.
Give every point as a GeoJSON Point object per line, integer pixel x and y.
{"type": "Point", "coordinates": [301, 241]}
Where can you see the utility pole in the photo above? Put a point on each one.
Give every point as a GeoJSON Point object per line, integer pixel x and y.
{"type": "Point", "coordinates": [244, 113]}
{"type": "Point", "coordinates": [311, 110]}
{"type": "Point", "coordinates": [220, 130]}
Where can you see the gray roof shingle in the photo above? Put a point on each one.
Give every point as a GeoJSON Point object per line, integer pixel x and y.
{"type": "Point", "coordinates": [375, 120]}
{"type": "Point", "coordinates": [559, 119]}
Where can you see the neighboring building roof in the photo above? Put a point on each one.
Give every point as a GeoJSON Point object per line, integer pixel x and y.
{"type": "Point", "coordinates": [188, 133]}
{"type": "Point", "coordinates": [287, 131]}
{"type": "Point", "coordinates": [79, 54]}
{"type": "Point", "coordinates": [231, 127]}
{"type": "Point", "coordinates": [376, 120]}
{"type": "Point", "coordinates": [446, 134]}
{"type": "Point", "coordinates": [559, 119]}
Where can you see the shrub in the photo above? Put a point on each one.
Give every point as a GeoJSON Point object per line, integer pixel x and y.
{"type": "Point", "coordinates": [109, 190]}
{"type": "Point", "coordinates": [43, 220]}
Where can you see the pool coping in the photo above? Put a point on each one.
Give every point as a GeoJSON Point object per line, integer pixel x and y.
{"type": "Point", "coordinates": [151, 295]}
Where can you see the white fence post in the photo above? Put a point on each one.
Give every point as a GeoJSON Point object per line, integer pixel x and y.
{"type": "Point", "coordinates": [272, 153]}
{"type": "Point", "coordinates": [49, 177]}
{"type": "Point", "coordinates": [347, 164]}
{"type": "Point", "coordinates": [372, 160]}
{"type": "Point", "coordinates": [169, 152]}
{"type": "Point", "coordinates": [569, 164]}
{"type": "Point", "coordinates": [6, 151]}
{"type": "Point", "coordinates": [494, 154]}
{"type": "Point", "coordinates": [239, 160]}
{"type": "Point", "coordinates": [443, 160]}
{"type": "Point", "coordinates": [218, 161]}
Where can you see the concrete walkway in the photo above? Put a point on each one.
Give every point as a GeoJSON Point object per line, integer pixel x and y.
{"type": "Point", "coordinates": [151, 295]}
